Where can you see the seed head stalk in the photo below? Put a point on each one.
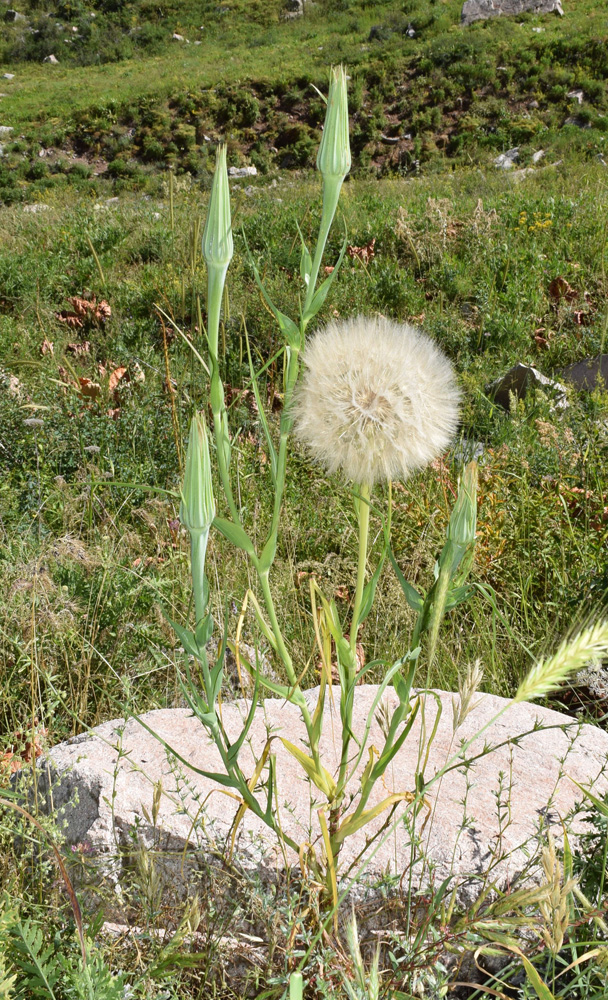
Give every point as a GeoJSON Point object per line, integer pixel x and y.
{"type": "Point", "coordinates": [363, 513]}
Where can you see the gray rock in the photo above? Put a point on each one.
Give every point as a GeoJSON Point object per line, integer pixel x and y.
{"type": "Point", "coordinates": [588, 374]}
{"type": "Point", "coordinates": [242, 172]}
{"type": "Point", "coordinates": [5, 130]}
{"type": "Point", "coordinates": [103, 783]}
{"type": "Point", "coordinates": [518, 380]}
{"type": "Point", "coordinates": [504, 161]}
{"type": "Point", "coordinates": [538, 155]}
{"type": "Point", "coordinates": [36, 208]}
{"type": "Point", "coordinates": [578, 121]}
{"type": "Point", "coordinates": [481, 10]}
{"type": "Point", "coordinates": [13, 16]}
{"type": "Point", "coordinates": [8, 76]}
{"type": "Point", "coordinates": [177, 37]}
{"type": "Point", "coordinates": [51, 59]}
{"type": "Point", "coordinates": [466, 450]}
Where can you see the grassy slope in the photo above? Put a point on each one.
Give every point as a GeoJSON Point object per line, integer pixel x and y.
{"type": "Point", "coordinates": [448, 95]}
{"type": "Point", "coordinates": [478, 281]}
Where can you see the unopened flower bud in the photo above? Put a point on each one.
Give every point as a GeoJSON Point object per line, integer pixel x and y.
{"type": "Point", "coordinates": [197, 509]}
{"type": "Point", "coordinates": [333, 158]}
{"type": "Point", "coordinates": [217, 236]}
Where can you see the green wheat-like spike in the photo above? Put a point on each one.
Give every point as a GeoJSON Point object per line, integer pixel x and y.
{"type": "Point", "coordinates": [590, 644]}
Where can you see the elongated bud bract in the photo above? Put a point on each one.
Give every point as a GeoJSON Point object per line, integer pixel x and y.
{"type": "Point", "coordinates": [333, 158]}
{"type": "Point", "coordinates": [197, 509]}
{"type": "Point", "coordinates": [217, 236]}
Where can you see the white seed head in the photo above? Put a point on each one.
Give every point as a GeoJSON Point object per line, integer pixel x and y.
{"type": "Point", "coordinates": [377, 400]}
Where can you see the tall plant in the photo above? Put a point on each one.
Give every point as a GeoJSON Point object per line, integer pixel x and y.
{"type": "Point", "coordinates": [376, 401]}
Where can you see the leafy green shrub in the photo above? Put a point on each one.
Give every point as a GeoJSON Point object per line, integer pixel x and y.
{"type": "Point", "coordinates": [184, 137]}
{"type": "Point", "coordinates": [121, 168]}
{"type": "Point", "coordinates": [152, 151]}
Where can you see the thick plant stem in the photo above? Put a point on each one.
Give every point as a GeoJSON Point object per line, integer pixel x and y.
{"type": "Point", "coordinates": [364, 505]}
{"type": "Point", "coordinates": [331, 194]}
{"type": "Point", "coordinates": [347, 692]}
{"type": "Point", "coordinates": [216, 277]}
{"type": "Point", "coordinates": [198, 549]}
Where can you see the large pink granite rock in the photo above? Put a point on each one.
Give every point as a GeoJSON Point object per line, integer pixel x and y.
{"type": "Point", "coordinates": [484, 814]}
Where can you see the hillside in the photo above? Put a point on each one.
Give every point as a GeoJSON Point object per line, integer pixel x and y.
{"type": "Point", "coordinates": [128, 100]}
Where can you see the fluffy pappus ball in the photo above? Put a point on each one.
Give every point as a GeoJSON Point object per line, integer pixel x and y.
{"type": "Point", "coordinates": [377, 400]}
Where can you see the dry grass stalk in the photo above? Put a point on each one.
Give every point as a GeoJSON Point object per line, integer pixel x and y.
{"type": "Point", "coordinates": [554, 907]}
{"type": "Point", "coordinates": [468, 685]}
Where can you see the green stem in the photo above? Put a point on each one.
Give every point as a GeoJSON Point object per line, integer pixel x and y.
{"type": "Point", "coordinates": [288, 663]}
{"type": "Point", "coordinates": [293, 368]}
{"type": "Point", "coordinates": [364, 508]}
{"type": "Point", "coordinates": [347, 693]}
{"type": "Point", "coordinates": [216, 277]}
{"type": "Point", "coordinates": [331, 194]}
{"type": "Point", "coordinates": [198, 549]}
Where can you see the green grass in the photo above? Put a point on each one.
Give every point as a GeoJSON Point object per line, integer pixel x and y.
{"type": "Point", "coordinates": [88, 568]}
{"type": "Point", "coordinates": [477, 278]}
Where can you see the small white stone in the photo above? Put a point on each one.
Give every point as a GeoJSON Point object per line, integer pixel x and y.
{"type": "Point", "coordinates": [576, 95]}
{"type": "Point", "coordinates": [506, 160]}
{"type": "Point", "coordinates": [242, 172]}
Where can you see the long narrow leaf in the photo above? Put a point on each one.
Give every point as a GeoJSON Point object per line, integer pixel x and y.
{"type": "Point", "coordinates": [286, 325]}
{"type": "Point", "coordinates": [351, 824]}
{"type": "Point", "coordinates": [235, 534]}
{"type": "Point", "coordinates": [321, 778]}
{"type": "Point", "coordinates": [413, 598]}
{"type": "Point", "coordinates": [323, 289]}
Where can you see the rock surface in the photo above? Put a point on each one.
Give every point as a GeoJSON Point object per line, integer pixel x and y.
{"type": "Point", "coordinates": [504, 161]}
{"type": "Point", "coordinates": [104, 783]}
{"type": "Point", "coordinates": [481, 10]}
{"type": "Point", "coordinates": [242, 172]}
{"type": "Point", "coordinates": [588, 374]}
{"type": "Point", "coordinates": [518, 380]}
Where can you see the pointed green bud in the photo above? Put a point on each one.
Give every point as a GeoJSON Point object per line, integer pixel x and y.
{"type": "Point", "coordinates": [217, 237]}
{"type": "Point", "coordinates": [197, 509]}
{"type": "Point", "coordinates": [333, 158]}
